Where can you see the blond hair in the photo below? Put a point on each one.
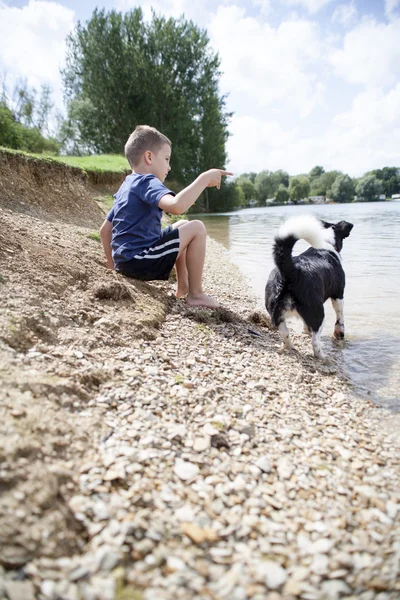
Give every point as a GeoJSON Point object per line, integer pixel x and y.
{"type": "Point", "coordinates": [141, 139]}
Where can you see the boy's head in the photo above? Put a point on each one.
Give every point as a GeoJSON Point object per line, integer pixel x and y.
{"type": "Point", "coordinates": [144, 140]}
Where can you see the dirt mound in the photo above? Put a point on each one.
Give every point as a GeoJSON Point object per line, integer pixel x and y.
{"type": "Point", "coordinates": [47, 190]}
{"type": "Point", "coordinates": [61, 311]}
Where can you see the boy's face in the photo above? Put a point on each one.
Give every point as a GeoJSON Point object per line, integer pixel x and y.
{"type": "Point", "coordinates": [160, 160]}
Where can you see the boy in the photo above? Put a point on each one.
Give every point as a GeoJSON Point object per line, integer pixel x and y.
{"type": "Point", "coordinates": [133, 241]}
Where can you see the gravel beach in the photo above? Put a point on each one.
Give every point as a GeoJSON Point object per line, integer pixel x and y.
{"type": "Point", "coordinates": [207, 464]}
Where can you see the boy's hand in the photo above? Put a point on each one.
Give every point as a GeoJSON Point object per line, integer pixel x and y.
{"type": "Point", "coordinates": [213, 177]}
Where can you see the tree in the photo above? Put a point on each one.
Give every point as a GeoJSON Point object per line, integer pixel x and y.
{"type": "Point", "coordinates": [31, 109]}
{"type": "Point", "coordinates": [214, 133]}
{"type": "Point", "coordinates": [322, 185]}
{"type": "Point", "coordinates": [122, 71]}
{"type": "Point", "coordinates": [316, 172]}
{"type": "Point", "coordinates": [268, 182]}
{"type": "Point", "coordinates": [299, 188]}
{"type": "Point", "coordinates": [390, 178]}
{"type": "Point", "coordinates": [248, 188]}
{"type": "Point", "coordinates": [368, 188]}
{"type": "Point", "coordinates": [228, 197]}
{"type": "Point", "coordinates": [282, 177]}
{"type": "Point", "coordinates": [14, 134]}
{"type": "Point", "coordinates": [10, 133]}
{"type": "Point", "coordinates": [24, 119]}
{"type": "Point", "coordinates": [343, 189]}
{"type": "Point", "coordinates": [252, 176]}
{"type": "Point", "coordinates": [282, 195]}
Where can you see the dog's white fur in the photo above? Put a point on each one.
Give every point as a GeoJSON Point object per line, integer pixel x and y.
{"type": "Point", "coordinates": [310, 229]}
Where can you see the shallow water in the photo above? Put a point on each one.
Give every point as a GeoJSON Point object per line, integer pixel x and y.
{"type": "Point", "coordinates": [370, 356]}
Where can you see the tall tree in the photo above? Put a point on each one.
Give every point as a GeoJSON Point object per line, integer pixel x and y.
{"type": "Point", "coordinates": [248, 188]}
{"type": "Point", "coordinates": [316, 172]}
{"type": "Point", "coordinates": [252, 176]}
{"type": "Point", "coordinates": [299, 188]}
{"type": "Point", "coordinates": [390, 178]}
{"type": "Point", "coordinates": [122, 71]}
{"type": "Point", "coordinates": [322, 184]}
{"type": "Point", "coordinates": [368, 188]}
{"type": "Point", "coordinates": [267, 183]}
{"type": "Point", "coordinates": [282, 195]}
{"type": "Point", "coordinates": [343, 189]}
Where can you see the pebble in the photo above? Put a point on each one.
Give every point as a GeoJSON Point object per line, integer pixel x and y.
{"type": "Point", "coordinates": [185, 470]}
{"type": "Point", "coordinates": [225, 469]}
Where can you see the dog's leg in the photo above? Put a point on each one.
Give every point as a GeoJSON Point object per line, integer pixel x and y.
{"type": "Point", "coordinates": [284, 331]}
{"type": "Point", "coordinates": [316, 343]}
{"type": "Point", "coordinates": [337, 304]}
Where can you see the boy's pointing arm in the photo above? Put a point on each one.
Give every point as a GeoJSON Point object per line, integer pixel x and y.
{"type": "Point", "coordinates": [176, 205]}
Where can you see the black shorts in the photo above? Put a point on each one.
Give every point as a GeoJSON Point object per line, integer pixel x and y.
{"type": "Point", "coordinates": [155, 263]}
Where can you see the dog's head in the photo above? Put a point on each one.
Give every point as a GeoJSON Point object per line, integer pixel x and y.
{"type": "Point", "coordinates": [337, 232]}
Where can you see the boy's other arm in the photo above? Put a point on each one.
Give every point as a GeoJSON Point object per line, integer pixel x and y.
{"type": "Point", "coordinates": [176, 205]}
{"type": "Point", "coordinates": [105, 236]}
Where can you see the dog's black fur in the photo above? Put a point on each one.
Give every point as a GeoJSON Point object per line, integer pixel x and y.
{"type": "Point", "coordinates": [302, 284]}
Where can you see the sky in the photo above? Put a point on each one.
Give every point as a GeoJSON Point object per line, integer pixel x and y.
{"type": "Point", "coordinates": [310, 82]}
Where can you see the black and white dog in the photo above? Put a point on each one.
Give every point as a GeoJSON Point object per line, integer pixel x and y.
{"type": "Point", "coordinates": [300, 285]}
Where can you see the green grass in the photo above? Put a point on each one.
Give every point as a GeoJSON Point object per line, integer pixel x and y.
{"type": "Point", "coordinates": [102, 162]}
{"type": "Point", "coordinates": [107, 202]}
{"type": "Point", "coordinates": [94, 236]}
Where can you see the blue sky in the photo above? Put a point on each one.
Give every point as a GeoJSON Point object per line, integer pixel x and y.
{"type": "Point", "coordinates": [309, 81]}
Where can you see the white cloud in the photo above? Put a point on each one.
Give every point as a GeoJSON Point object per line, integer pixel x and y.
{"type": "Point", "coordinates": [345, 13]}
{"type": "Point", "coordinates": [197, 10]}
{"type": "Point", "coordinates": [370, 54]}
{"type": "Point", "coordinates": [391, 8]}
{"type": "Point", "coordinates": [313, 6]}
{"type": "Point", "coordinates": [264, 7]}
{"type": "Point", "coordinates": [256, 145]}
{"type": "Point", "coordinates": [366, 137]}
{"type": "Point", "coordinates": [361, 139]}
{"type": "Point", "coordinates": [262, 65]}
{"type": "Point", "coordinates": [32, 42]}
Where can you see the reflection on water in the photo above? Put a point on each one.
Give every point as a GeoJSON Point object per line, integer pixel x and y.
{"type": "Point", "coordinates": [371, 258]}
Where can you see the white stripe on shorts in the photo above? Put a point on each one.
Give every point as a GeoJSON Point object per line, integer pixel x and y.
{"type": "Point", "coordinates": [160, 247]}
{"type": "Point", "coordinates": [147, 255]}
{"type": "Point", "coordinates": [159, 255]}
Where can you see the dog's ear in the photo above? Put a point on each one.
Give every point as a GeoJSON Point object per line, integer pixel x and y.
{"type": "Point", "coordinates": [325, 224]}
{"type": "Point", "coordinates": [343, 228]}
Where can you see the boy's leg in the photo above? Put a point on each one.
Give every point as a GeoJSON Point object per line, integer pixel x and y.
{"type": "Point", "coordinates": [181, 268]}
{"type": "Point", "coordinates": [192, 241]}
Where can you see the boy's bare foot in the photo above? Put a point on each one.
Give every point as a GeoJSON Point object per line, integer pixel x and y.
{"type": "Point", "coordinates": [202, 300]}
{"type": "Point", "coordinates": [182, 290]}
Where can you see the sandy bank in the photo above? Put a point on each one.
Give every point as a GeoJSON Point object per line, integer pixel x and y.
{"type": "Point", "coordinates": [151, 451]}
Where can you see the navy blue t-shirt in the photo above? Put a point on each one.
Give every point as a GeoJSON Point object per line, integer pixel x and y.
{"type": "Point", "coordinates": [135, 216]}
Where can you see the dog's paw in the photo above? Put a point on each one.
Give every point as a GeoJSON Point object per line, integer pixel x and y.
{"type": "Point", "coordinates": [338, 332]}
{"type": "Point", "coordinates": [286, 349]}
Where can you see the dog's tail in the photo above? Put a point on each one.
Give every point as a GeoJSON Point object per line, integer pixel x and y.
{"type": "Point", "coordinates": [304, 227]}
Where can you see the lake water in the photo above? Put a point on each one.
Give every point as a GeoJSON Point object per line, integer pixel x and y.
{"type": "Point", "coordinates": [370, 356]}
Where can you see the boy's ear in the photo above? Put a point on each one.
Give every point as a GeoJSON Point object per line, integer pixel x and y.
{"type": "Point", "coordinates": [148, 157]}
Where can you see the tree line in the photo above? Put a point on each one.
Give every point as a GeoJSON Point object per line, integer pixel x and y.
{"type": "Point", "coordinates": [122, 71]}
{"type": "Point", "coordinates": [277, 187]}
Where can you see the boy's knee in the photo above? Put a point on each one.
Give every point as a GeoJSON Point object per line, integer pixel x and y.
{"type": "Point", "coordinates": [179, 223]}
{"type": "Point", "coordinates": [200, 227]}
